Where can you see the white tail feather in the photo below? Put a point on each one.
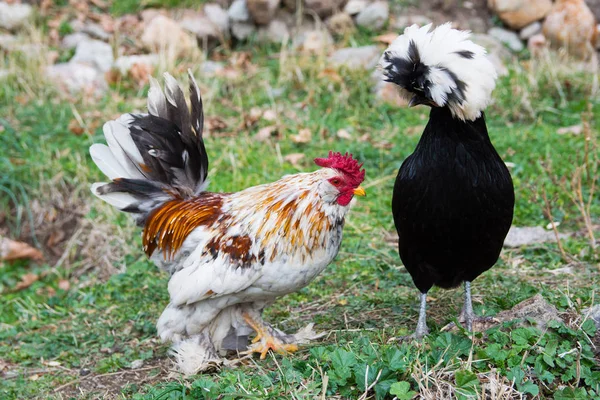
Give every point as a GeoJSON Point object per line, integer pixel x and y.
{"type": "Point", "coordinates": [117, 199]}
{"type": "Point", "coordinates": [123, 148]}
{"type": "Point", "coordinates": [106, 161]}
{"type": "Point", "coordinates": [157, 104]}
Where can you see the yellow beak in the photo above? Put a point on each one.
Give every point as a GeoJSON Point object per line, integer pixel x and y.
{"type": "Point", "coordinates": [359, 191]}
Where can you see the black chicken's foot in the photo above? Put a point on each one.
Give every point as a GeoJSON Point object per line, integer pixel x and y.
{"type": "Point", "coordinates": [422, 329]}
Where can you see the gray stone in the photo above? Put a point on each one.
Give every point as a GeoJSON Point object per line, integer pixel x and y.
{"type": "Point", "coordinates": [276, 32]}
{"type": "Point", "coordinates": [74, 77]}
{"type": "Point", "coordinates": [200, 25]}
{"type": "Point", "coordinates": [594, 314]}
{"type": "Point", "coordinates": [262, 11]}
{"type": "Point", "coordinates": [218, 16]}
{"type": "Point", "coordinates": [340, 23]}
{"type": "Point", "coordinates": [530, 30]}
{"type": "Point", "coordinates": [124, 63]}
{"type": "Point", "coordinates": [313, 41]}
{"type": "Point", "coordinates": [524, 236]}
{"type": "Point", "coordinates": [493, 46]}
{"type": "Point", "coordinates": [95, 53]}
{"type": "Point", "coordinates": [161, 33]}
{"type": "Point", "coordinates": [403, 21]}
{"type": "Point", "coordinates": [238, 11]}
{"type": "Point", "coordinates": [96, 31]}
{"type": "Point", "coordinates": [356, 57]}
{"type": "Point", "coordinates": [535, 309]}
{"type": "Point", "coordinates": [242, 30]}
{"type": "Point", "coordinates": [323, 8]}
{"type": "Point", "coordinates": [210, 68]}
{"type": "Point", "coordinates": [374, 16]}
{"type": "Point", "coordinates": [13, 16]}
{"type": "Point", "coordinates": [71, 40]}
{"type": "Point", "coordinates": [354, 7]}
{"type": "Point", "coordinates": [507, 37]}
{"type": "Point", "coordinates": [137, 364]}
{"type": "Point", "coordinates": [498, 64]}
{"type": "Point", "coordinates": [7, 42]}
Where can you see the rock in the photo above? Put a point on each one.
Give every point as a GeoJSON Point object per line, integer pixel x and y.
{"type": "Point", "coordinates": [493, 46]}
{"type": "Point", "coordinates": [161, 33]}
{"type": "Point", "coordinates": [262, 11]}
{"type": "Point", "coordinates": [571, 25]}
{"type": "Point", "coordinates": [313, 42]}
{"type": "Point", "coordinates": [218, 16]}
{"type": "Point", "coordinates": [374, 16]}
{"type": "Point", "coordinates": [137, 364]}
{"type": "Point", "coordinates": [7, 42]}
{"type": "Point", "coordinates": [340, 24]}
{"type": "Point", "coordinates": [403, 21]}
{"type": "Point", "coordinates": [238, 11]}
{"type": "Point", "coordinates": [124, 64]}
{"type": "Point", "coordinates": [242, 30]}
{"type": "Point", "coordinates": [507, 37]}
{"type": "Point", "coordinates": [475, 24]}
{"type": "Point", "coordinates": [536, 44]}
{"type": "Point", "coordinates": [593, 313]}
{"type": "Point", "coordinates": [356, 57]}
{"type": "Point", "coordinates": [519, 13]}
{"type": "Point", "coordinates": [498, 64]}
{"type": "Point", "coordinates": [95, 53]}
{"type": "Point", "coordinates": [524, 236]}
{"type": "Point", "coordinates": [211, 68]}
{"type": "Point", "coordinates": [71, 40]}
{"type": "Point", "coordinates": [324, 8]}
{"type": "Point", "coordinates": [74, 77]}
{"type": "Point", "coordinates": [535, 309]}
{"type": "Point", "coordinates": [13, 16]}
{"type": "Point", "coordinates": [354, 7]}
{"type": "Point", "coordinates": [530, 30]}
{"type": "Point", "coordinates": [96, 31]}
{"type": "Point", "coordinates": [200, 25]}
{"type": "Point", "coordinates": [276, 32]}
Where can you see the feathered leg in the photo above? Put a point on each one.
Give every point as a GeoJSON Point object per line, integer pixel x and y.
{"type": "Point", "coordinates": [422, 329]}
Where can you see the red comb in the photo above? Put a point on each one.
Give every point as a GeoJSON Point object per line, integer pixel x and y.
{"type": "Point", "coordinates": [344, 163]}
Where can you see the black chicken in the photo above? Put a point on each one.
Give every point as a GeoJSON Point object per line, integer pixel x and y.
{"type": "Point", "coordinates": [453, 198]}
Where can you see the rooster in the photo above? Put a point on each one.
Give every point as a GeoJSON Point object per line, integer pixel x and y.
{"type": "Point", "coordinates": [229, 255]}
{"type": "Point", "coordinates": [453, 198]}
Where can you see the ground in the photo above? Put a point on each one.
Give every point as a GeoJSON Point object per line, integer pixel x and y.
{"type": "Point", "coordinates": [83, 325]}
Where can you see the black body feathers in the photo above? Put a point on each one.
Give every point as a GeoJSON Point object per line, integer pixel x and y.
{"type": "Point", "coordinates": [453, 203]}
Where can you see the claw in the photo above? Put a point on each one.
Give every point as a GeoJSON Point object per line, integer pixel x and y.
{"type": "Point", "coordinates": [264, 341]}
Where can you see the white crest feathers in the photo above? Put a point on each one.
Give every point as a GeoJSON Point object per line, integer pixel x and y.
{"type": "Point", "coordinates": [454, 71]}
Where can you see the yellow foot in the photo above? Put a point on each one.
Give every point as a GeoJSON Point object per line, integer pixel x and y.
{"type": "Point", "coordinates": [271, 343]}
{"type": "Point", "coordinates": [264, 341]}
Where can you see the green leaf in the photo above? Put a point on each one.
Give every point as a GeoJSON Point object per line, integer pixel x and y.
{"type": "Point", "coordinates": [467, 384]}
{"type": "Point", "coordinates": [589, 327]}
{"type": "Point", "coordinates": [402, 391]}
{"type": "Point", "coordinates": [342, 362]}
{"type": "Point", "coordinates": [529, 387]}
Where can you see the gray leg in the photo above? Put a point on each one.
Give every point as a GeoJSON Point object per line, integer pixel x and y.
{"type": "Point", "coordinates": [422, 324]}
{"type": "Point", "coordinates": [467, 310]}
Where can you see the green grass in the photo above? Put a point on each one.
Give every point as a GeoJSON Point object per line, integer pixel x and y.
{"type": "Point", "coordinates": [83, 340]}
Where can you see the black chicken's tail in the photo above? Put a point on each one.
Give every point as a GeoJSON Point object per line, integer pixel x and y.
{"type": "Point", "coordinates": [156, 157]}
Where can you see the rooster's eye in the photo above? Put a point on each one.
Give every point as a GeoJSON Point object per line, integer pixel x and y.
{"type": "Point", "coordinates": [336, 181]}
